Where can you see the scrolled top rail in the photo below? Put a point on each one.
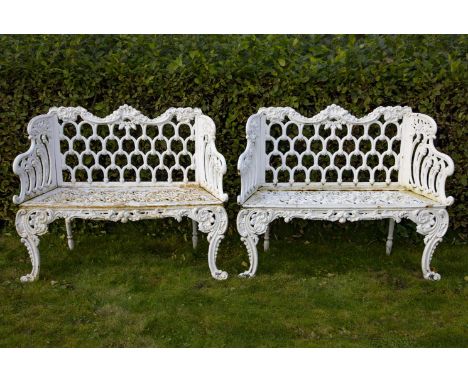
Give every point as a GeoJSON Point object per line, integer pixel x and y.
{"type": "Point", "coordinates": [125, 112]}
{"type": "Point", "coordinates": [335, 112]}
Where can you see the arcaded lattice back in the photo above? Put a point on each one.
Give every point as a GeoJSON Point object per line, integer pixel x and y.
{"type": "Point", "coordinates": [127, 146]}
{"type": "Point", "coordinates": [332, 146]}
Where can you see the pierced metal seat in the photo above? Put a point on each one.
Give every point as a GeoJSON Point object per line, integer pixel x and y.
{"type": "Point", "coordinates": [123, 197]}
{"type": "Point", "coordinates": [122, 167]}
{"type": "Point", "coordinates": [339, 200]}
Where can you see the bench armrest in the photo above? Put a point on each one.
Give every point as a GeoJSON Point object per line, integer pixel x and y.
{"type": "Point", "coordinates": [251, 164]}
{"type": "Point", "coordinates": [210, 164]}
{"type": "Point", "coordinates": [425, 168]}
{"type": "Point", "coordinates": [36, 167]}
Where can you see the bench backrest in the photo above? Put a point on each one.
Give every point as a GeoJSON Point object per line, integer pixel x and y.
{"type": "Point", "coordinates": [74, 148]}
{"type": "Point", "coordinates": [331, 147]}
{"type": "Point", "coordinates": [126, 146]}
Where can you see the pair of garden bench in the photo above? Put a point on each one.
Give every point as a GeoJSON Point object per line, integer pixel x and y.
{"type": "Point", "coordinates": [332, 166]}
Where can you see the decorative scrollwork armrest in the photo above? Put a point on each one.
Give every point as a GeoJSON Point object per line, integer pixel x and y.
{"type": "Point", "coordinates": [250, 161]}
{"type": "Point", "coordinates": [36, 167]}
{"type": "Point", "coordinates": [210, 164]}
{"type": "Point", "coordinates": [429, 167]}
{"type": "Point", "coordinates": [215, 168]}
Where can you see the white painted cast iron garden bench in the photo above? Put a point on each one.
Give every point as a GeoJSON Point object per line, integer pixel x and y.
{"type": "Point", "coordinates": [337, 167]}
{"type": "Point", "coordinates": [123, 167]}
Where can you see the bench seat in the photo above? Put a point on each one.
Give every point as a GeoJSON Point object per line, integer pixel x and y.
{"type": "Point", "coordinates": [123, 197]}
{"type": "Point", "coordinates": [319, 199]}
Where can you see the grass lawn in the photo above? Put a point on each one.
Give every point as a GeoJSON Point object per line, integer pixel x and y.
{"type": "Point", "coordinates": [328, 287]}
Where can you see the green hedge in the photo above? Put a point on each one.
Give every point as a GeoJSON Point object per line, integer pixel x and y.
{"type": "Point", "coordinates": [229, 78]}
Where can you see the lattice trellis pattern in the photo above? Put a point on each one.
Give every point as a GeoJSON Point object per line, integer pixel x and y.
{"type": "Point", "coordinates": [127, 147]}
{"type": "Point", "coordinates": [332, 147]}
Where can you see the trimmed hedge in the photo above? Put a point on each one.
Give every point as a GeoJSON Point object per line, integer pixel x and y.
{"type": "Point", "coordinates": [229, 78]}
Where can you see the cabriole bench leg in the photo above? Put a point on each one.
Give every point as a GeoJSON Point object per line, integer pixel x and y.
{"type": "Point", "coordinates": [30, 224]}
{"type": "Point", "coordinates": [389, 244]}
{"type": "Point", "coordinates": [212, 220]}
{"type": "Point", "coordinates": [250, 242]}
{"type": "Point", "coordinates": [433, 225]}
{"type": "Point", "coordinates": [250, 224]}
{"type": "Point", "coordinates": [71, 243]}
